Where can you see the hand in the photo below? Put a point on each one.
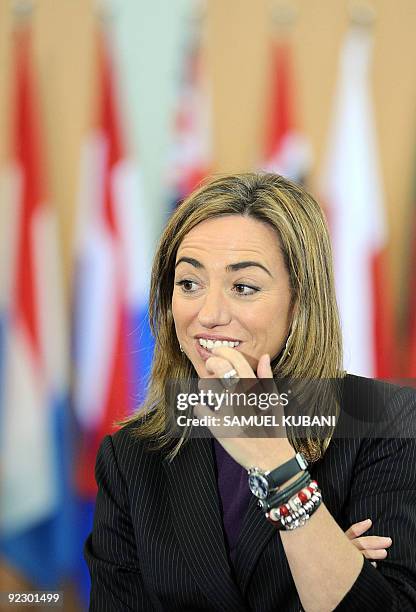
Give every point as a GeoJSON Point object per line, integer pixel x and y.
{"type": "Point", "coordinates": [263, 451]}
{"type": "Point", "coordinates": [372, 547]}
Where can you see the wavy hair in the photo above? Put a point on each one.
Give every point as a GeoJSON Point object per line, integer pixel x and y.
{"type": "Point", "coordinates": [314, 347]}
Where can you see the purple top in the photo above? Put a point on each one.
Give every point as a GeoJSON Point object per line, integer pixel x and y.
{"type": "Point", "coordinates": [235, 496]}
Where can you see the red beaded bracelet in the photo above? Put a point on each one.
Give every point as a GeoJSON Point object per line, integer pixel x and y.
{"type": "Point", "coordinates": [298, 509]}
{"type": "Point", "coordinates": [298, 499]}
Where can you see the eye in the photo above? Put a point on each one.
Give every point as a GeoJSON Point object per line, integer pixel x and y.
{"type": "Point", "coordinates": [185, 285]}
{"type": "Point", "coordinates": [246, 289]}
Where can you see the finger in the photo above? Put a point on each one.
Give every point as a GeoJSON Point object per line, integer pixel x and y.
{"type": "Point", "coordinates": [210, 385]}
{"type": "Point", "coordinates": [264, 369]}
{"type": "Point", "coordinates": [372, 542]}
{"type": "Point", "coordinates": [218, 366]}
{"type": "Point", "coordinates": [236, 359]}
{"type": "Point", "coordinates": [358, 528]}
{"type": "Point", "coordinates": [374, 554]}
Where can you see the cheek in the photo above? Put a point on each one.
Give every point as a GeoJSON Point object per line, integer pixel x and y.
{"type": "Point", "coordinates": [272, 312]}
{"type": "Point", "coordinates": [176, 314]}
{"type": "Point", "coordinates": [272, 319]}
{"type": "Point", "coordinates": [182, 311]}
{"type": "Point", "coordinates": [175, 305]}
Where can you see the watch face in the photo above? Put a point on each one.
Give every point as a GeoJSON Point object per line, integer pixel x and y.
{"type": "Point", "coordinates": [258, 485]}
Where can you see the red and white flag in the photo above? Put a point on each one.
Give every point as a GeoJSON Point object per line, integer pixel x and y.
{"type": "Point", "coordinates": [411, 339]}
{"type": "Point", "coordinates": [286, 149]}
{"type": "Point", "coordinates": [35, 357]}
{"type": "Point", "coordinates": [353, 193]}
{"type": "Point", "coordinates": [191, 153]}
{"type": "Point", "coordinates": [111, 262]}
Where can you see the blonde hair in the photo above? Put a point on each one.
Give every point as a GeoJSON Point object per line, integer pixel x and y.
{"type": "Point", "coordinates": [314, 349]}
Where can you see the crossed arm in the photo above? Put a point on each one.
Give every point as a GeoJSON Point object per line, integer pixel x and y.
{"type": "Point", "coordinates": [115, 570]}
{"type": "Point", "coordinates": [328, 572]}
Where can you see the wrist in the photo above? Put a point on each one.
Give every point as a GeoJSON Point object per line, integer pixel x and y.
{"type": "Point", "coordinates": [275, 458]}
{"type": "Point", "coordinates": [265, 483]}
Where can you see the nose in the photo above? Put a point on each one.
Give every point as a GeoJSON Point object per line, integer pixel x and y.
{"type": "Point", "coordinates": [215, 309]}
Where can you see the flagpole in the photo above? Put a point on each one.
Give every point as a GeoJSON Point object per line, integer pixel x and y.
{"type": "Point", "coordinates": [22, 10]}
{"type": "Point", "coordinates": [362, 14]}
{"type": "Point", "coordinates": [284, 15]}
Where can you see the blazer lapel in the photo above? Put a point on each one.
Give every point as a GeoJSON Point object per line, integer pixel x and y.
{"type": "Point", "coordinates": [197, 521]}
{"type": "Point", "coordinates": [255, 534]}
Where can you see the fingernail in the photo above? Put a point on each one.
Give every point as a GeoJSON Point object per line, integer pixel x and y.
{"type": "Point", "coordinates": [366, 521]}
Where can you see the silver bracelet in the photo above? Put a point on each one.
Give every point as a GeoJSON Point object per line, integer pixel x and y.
{"type": "Point", "coordinates": [298, 515]}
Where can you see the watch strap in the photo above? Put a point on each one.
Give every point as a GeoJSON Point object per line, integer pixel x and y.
{"type": "Point", "coordinates": [283, 495]}
{"type": "Point", "coordinates": [284, 472]}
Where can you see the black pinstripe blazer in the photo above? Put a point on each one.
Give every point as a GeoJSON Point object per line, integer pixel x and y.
{"type": "Point", "coordinates": [157, 541]}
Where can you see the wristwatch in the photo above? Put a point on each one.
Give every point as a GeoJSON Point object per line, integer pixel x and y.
{"type": "Point", "coordinates": [262, 483]}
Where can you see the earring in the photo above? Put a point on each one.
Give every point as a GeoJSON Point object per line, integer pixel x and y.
{"type": "Point", "coordinates": [180, 346]}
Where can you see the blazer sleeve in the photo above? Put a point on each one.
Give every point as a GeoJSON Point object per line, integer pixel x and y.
{"type": "Point", "coordinates": [384, 489]}
{"type": "Point", "coordinates": [110, 550]}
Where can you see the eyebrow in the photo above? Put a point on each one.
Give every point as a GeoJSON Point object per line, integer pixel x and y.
{"type": "Point", "coordinates": [230, 268]}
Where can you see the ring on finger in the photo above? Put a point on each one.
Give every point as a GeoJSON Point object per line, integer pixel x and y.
{"type": "Point", "coordinates": [230, 378]}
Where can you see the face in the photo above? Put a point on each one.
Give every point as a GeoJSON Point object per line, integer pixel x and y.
{"type": "Point", "coordinates": [231, 285]}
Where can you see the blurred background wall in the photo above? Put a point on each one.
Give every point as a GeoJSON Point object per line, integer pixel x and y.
{"type": "Point", "coordinates": [192, 83]}
{"type": "Point", "coordinates": [236, 47]}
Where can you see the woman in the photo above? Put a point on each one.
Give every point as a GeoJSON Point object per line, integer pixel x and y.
{"type": "Point", "coordinates": [245, 262]}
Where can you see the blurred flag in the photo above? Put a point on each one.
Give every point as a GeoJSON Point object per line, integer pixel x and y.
{"type": "Point", "coordinates": [191, 154]}
{"type": "Point", "coordinates": [9, 208]}
{"type": "Point", "coordinates": [411, 340]}
{"type": "Point", "coordinates": [352, 191]}
{"type": "Point", "coordinates": [286, 150]}
{"type": "Point", "coordinates": [112, 341]}
{"type": "Point", "coordinates": [34, 434]}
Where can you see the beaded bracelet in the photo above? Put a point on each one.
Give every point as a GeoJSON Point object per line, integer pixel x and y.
{"type": "Point", "coordinates": [295, 519]}
{"type": "Point", "coordinates": [302, 496]}
{"type": "Point", "coordinates": [283, 495]}
{"type": "Point", "coordinates": [298, 510]}
{"type": "Point", "coordinates": [299, 518]}
{"type": "Point", "coordinates": [295, 508]}
{"type": "Point", "coordinates": [300, 500]}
